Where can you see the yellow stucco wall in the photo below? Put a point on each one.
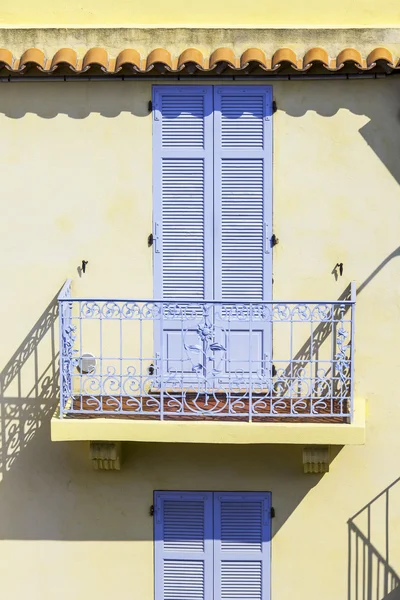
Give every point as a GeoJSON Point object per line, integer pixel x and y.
{"type": "Point", "coordinates": [101, 12]}
{"type": "Point", "coordinates": [75, 171]}
{"type": "Point", "coordinates": [69, 532]}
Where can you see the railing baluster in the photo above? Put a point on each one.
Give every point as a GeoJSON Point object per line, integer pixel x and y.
{"type": "Point", "coordinates": [61, 354]}
{"type": "Point", "coordinates": [250, 364]}
{"type": "Point", "coordinates": [161, 347]}
{"type": "Point", "coordinates": [352, 316]}
{"type": "Point", "coordinates": [81, 390]}
{"type": "Point", "coordinates": [121, 365]}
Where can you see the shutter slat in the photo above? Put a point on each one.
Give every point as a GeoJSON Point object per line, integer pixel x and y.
{"type": "Point", "coordinates": [241, 546]}
{"type": "Point", "coordinates": [183, 546]}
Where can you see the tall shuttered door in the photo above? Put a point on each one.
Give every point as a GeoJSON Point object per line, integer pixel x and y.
{"type": "Point", "coordinates": [242, 220]}
{"type": "Point", "coordinates": [212, 192]}
{"type": "Point", "coordinates": [183, 546]}
{"type": "Point", "coordinates": [183, 193]}
{"type": "Point", "coordinates": [183, 190]}
{"type": "Point", "coordinates": [212, 216]}
{"type": "Point", "coordinates": [241, 546]}
{"type": "Point", "coordinates": [242, 192]}
{"type": "Point", "coordinates": [212, 546]}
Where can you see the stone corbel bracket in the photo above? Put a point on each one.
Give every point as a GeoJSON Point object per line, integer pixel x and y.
{"type": "Point", "coordinates": [105, 456]}
{"type": "Point", "coordinates": [316, 459]}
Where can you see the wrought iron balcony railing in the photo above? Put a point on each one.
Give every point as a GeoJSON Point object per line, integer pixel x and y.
{"type": "Point", "coordinates": [259, 362]}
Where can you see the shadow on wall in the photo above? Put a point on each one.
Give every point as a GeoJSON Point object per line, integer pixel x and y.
{"type": "Point", "coordinates": [370, 573]}
{"type": "Point", "coordinates": [380, 104]}
{"type": "Point", "coordinates": [49, 491]}
{"type": "Point", "coordinates": [378, 100]}
{"type": "Point", "coordinates": [23, 410]}
{"type": "Point", "coordinates": [309, 352]}
{"type": "Point", "coordinates": [77, 100]}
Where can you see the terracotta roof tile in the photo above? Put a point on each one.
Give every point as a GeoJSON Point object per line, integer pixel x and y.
{"type": "Point", "coordinates": [315, 55]}
{"type": "Point", "coordinates": [284, 55]}
{"type": "Point", "coordinates": [65, 56]}
{"type": "Point", "coordinates": [222, 55]}
{"type": "Point", "coordinates": [95, 56]}
{"type": "Point", "coordinates": [192, 56]}
{"type": "Point", "coordinates": [6, 58]}
{"type": "Point", "coordinates": [191, 61]}
{"type": "Point", "coordinates": [349, 55]}
{"type": "Point", "coordinates": [129, 58]}
{"type": "Point", "coordinates": [159, 56]}
{"type": "Point", "coordinates": [378, 54]}
{"type": "Point", "coordinates": [253, 55]}
{"type": "Point", "coordinates": [33, 57]}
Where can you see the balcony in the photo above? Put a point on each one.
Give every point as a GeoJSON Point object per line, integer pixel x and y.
{"type": "Point", "coordinates": [173, 368]}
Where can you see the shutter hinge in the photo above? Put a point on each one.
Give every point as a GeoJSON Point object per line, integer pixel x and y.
{"type": "Point", "coordinates": [150, 240]}
{"type": "Point", "coordinates": [274, 106]}
{"type": "Point", "coordinates": [150, 106]}
{"type": "Point", "coordinates": [272, 512]}
{"type": "Point", "coordinates": [151, 511]}
{"type": "Point", "coordinates": [155, 237]}
{"type": "Point", "coordinates": [273, 371]}
{"type": "Point", "coordinates": [274, 240]}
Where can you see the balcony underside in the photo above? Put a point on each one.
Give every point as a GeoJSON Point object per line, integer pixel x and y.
{"type": "Point", "coordinates": [222, 430]}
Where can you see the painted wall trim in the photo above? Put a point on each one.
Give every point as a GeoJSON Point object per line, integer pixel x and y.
{"type": "Point", "coordinates": [63, 430]}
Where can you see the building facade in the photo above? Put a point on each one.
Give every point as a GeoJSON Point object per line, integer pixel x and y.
{"type": "Point", "coordinates": [200, 222]}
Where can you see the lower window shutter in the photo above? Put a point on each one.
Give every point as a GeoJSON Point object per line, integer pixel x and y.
{"type": "Point", "coordinates": [183, 546]}
{"type": "Point", "coordinates": [242, 546]}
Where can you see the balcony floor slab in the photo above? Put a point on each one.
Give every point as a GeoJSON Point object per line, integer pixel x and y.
{"type": "Point", "coordinates": [280, 431]}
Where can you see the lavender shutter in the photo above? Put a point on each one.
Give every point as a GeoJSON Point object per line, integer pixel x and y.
{"type": "Point", "coordinates": [243, 190]}
{"type": "Point", "coordinates": [183, 205]}
{"type": "Point", "coordinates": [243, 216]}
{"type": "Point", "coordinates": [182, 190]}
{"type": "Point", "coordinates": [242, 535]}
{"type": "Point", "coordinates": [183, 546]}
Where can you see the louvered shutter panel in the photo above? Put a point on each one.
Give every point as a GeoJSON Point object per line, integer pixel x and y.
{"type": "Point", "coordinates": [242, 546]}
{"type": "Point", "coordinates": [183, 546]}
{"type": "Point", "coordinates": [182, 191]}
{"type": "Point", "coordinates": [242, 192]}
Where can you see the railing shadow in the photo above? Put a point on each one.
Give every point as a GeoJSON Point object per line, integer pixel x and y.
{"type": "Point", "coordinates": [370, 573]}
{"type": "Point", "coordinates": [310, 351]}
{"type": "Point", "coordinates": [29, 389]}
{"type": "Point", "coordinates": [322, 332]}
{"type": "Point", "coordinates": [59, 488]}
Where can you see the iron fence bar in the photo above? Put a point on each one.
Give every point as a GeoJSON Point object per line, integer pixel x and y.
{"type": "Point", "coordinates": [250, 364]}
{"type": "Point", "coordinates": [161, 365]}
{"type": "Point", "coordinates": [352, 342]}
{"type": "Point", "coordinates": [61, 354]}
